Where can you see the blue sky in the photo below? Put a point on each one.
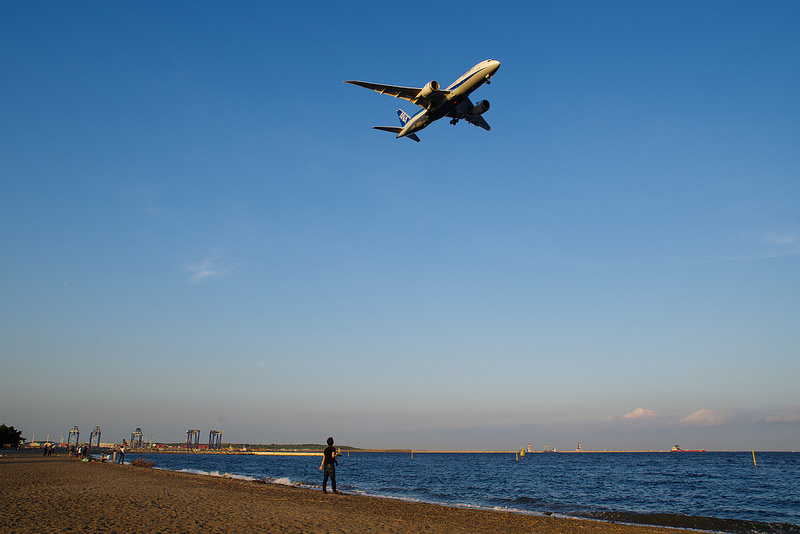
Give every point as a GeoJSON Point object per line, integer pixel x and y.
{"type": "Point", "coordinates": [200, 229]}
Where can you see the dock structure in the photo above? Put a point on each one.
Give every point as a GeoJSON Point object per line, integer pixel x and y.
{"type": "Point", "coordinates": [94, 437]}
{"type": "Point", "coordinates": [137, 438]}
{"type": "Point", "coordinates": [74, 432]}
{"type": "Point", "coordinates": [193, 439]}
{"type": "Point", "coordinates": [215, 439]}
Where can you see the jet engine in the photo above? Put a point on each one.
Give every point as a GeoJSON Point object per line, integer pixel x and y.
{"type": "Point", "coordinates": [430, 88]}
{"type": "Point", "coordinates": [480, 108]}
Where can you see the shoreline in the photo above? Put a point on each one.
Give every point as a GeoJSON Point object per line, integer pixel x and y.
{"type": "Point", "coordinates": [58, 492]}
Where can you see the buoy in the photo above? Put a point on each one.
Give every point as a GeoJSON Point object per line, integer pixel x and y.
{"type": "Point", "coordinates": [754, 459]}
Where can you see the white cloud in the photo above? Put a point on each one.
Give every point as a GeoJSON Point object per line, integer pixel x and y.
{"type": "Point", "coordinates": [705, 417]}
{"type": "Point", "coordinates": [781, 244]}
{"type": "Point", "coordinates": [786, 416]}
{"type": "Point", "coordinates": [640, 413]}
{"type": "Point", "coordinates": [153, 210]}
{"type": "Point", "coordinates": [763, 246]}
{"type": "Point", "coordinates": [775, 238]}
{"type": "Point", "coordinates": [213, 266]}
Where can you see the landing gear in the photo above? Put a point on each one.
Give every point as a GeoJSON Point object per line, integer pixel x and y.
{"type": "Point", "coordinates": [453, 121]}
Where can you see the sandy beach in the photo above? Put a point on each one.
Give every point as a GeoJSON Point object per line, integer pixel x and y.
{"type": "Point", "coordinates": [62, 494]}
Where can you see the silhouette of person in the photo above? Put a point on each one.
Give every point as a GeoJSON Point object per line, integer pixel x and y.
{"type": "Point", "coordinates": [329, 463]}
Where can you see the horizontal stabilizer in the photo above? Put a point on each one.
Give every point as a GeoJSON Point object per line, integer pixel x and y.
{"type": "Point", "coordinates": [396, 130]}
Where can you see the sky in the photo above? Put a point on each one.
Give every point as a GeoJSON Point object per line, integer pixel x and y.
{"type": "Point", "coordinates": [201, 230]}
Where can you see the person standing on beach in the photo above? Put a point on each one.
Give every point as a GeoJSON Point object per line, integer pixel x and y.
{"type": "Point", "coordinates": [121, 458]}
{"type": "Point", "coordinates": [329, 463]}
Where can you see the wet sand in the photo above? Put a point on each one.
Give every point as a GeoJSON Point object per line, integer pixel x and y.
{"type": "Point", "coordinates": [62, 494]}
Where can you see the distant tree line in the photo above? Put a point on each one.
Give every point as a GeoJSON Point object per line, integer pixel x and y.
{"type": "Point", "coordinates": [9, 436]}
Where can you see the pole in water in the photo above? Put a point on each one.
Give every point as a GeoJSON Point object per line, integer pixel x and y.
{"type": "Point", "coordinates": [754, 459]}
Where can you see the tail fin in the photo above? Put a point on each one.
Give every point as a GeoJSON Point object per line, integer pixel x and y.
{"type": "Point", "coordinates": [403, 116]}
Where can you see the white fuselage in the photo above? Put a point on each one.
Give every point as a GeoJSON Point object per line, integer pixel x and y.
{"type": "Point", "coordinates": [458, 90]}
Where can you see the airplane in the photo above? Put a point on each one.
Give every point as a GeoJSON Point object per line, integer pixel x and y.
{"type": "Point", "coordinates": [452, 102]}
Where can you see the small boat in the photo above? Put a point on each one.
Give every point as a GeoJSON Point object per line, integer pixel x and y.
{"type": "Point", "coordinates": [677, 448]}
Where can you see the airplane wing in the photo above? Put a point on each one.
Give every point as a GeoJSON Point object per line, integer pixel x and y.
{"type": "Point", "coordinates": [406, 93]}
{"type": "Point", "coordinates": [464, 111]}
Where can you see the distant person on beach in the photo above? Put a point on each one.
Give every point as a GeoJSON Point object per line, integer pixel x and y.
{"type": "Point", "coordinates": [121, 454]}
{"type": "Point", "coordinates": [329, 463]}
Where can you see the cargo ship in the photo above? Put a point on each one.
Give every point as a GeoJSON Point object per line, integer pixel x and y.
{"type": "Point", "coordinates": [677, 448]}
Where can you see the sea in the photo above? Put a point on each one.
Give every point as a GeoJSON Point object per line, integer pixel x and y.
{"type": "Point", "coordinates": [710, 491]}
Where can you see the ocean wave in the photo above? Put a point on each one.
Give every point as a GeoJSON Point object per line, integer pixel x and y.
{"type": "Point", "coordinates": [522, 500]}
{"type": "Point", "coordinates": [194, 471]}
{"type": "Point", "coordinates": [234, 476]}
